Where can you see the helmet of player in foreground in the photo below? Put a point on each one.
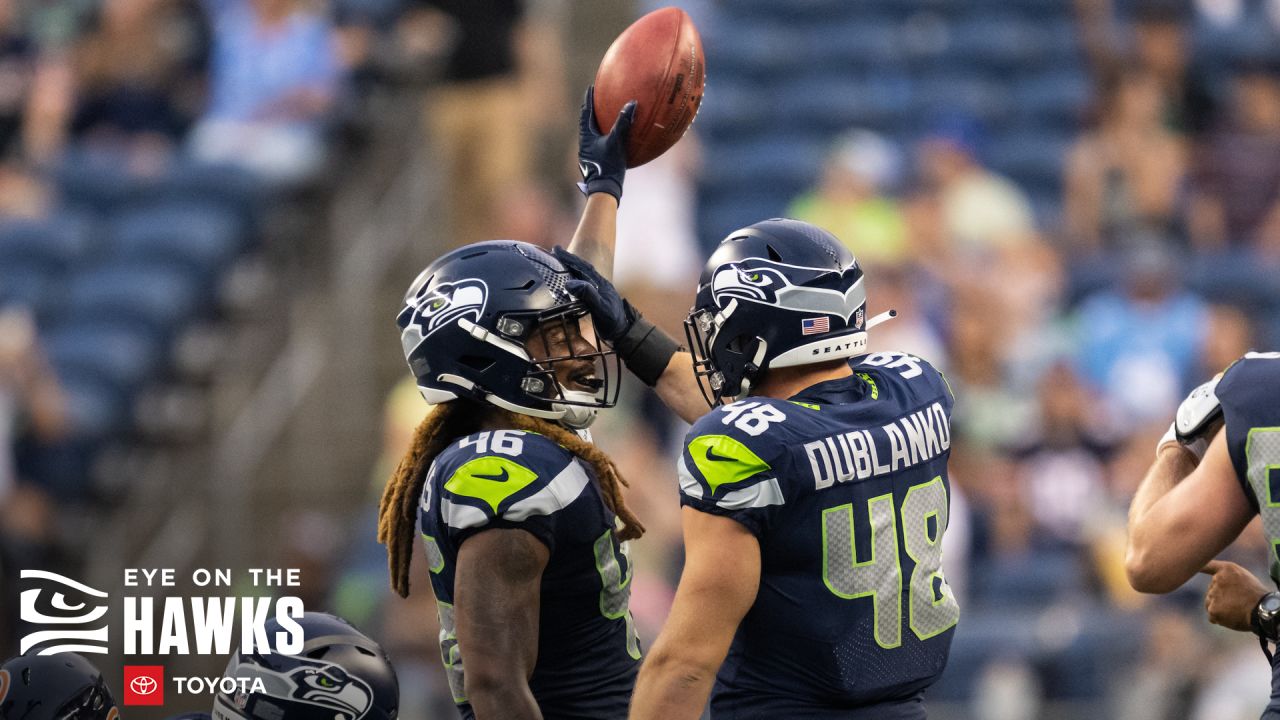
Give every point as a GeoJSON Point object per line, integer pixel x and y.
{"type": "Point", "coordinates": [341, 674]}
{"type": "Point", "coordinates": [63, 686]}
{"type": "Point", "coordinates": [478, 321]}
{"type": "Point", "coordinates": [779, 293]}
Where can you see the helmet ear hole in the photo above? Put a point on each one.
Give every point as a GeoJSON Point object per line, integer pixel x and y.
{"type": "Point", "coordinates": [774, 255]}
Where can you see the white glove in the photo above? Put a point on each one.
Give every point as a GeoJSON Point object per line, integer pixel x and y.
{"type": "Point", "coordinates": [1197, 420]}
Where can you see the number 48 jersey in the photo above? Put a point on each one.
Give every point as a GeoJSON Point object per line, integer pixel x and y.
{"type": "Point", "coordinates": [845, 487]}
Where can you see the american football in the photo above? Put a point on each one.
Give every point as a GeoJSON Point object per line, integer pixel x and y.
{"type": "Point", "coordinates": [657, 62]}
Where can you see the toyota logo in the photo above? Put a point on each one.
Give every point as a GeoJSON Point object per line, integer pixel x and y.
{"type": "Point", "coordinates": [143, 685]}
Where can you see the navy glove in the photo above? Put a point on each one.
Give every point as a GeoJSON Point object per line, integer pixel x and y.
{"type": "Point", "coordinates": [644, 348]}
{"type": "Point", "coordinates": [613, 316]}
{"type": "Point", "coordinates": [602, 159]}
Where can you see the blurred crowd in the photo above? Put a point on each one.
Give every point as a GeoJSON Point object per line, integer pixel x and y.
{"type": "Point", "coordinates": [1069, 330]}
{"type": "Point", "coordinates": [1069, 337]}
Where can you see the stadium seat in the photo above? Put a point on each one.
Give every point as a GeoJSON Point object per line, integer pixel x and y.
{"type": "Point", "coordinates": [1034, 579]}
{"type": "Point", "coordinates": [1033, 159]}
{"type": "Point", "coordinates": [204, 237]}
{"type": "Point", "coordinates": [50, 244]}
{"type": "Point", "coordinates": [26, 285]}
{"type": "Point", "coordinates": [231, 188]}
{"type": "Point", "coordinates": [158, 298]}
{"type": "Point", "coordinates": [88, 349]}
{"type": "Point", "coordinates": [998, 42]}
{"type": "Point", "coordinates": [96, 408]}
{"type": "Point", "coordinates": [93, 179]}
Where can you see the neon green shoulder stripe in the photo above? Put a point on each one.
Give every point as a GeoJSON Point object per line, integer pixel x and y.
{"type": "Point", "coordinates": [491, 479]}
{"type": "Point", "coordinates": [723, 460]}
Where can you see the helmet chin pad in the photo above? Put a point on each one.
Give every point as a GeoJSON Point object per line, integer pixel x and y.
{"type": "Point", "coordinates": [578, 417]}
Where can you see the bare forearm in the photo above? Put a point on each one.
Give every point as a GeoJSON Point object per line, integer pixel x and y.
{"type": "Point", "coordinates": [597, 233]}
{"type": "Point", "coordinates": [502, 700]}
{"type": "Point", "coordinates": [1172, 465]}
{"type": "Point", "coordinates": [1149, 563]}
{"type": "Point", "coordinates": [670, 689]}
{"type": "Point", "coordinates": [678, 389]}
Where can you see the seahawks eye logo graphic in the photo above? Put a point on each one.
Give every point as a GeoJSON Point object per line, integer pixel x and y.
{"type": "Point", "coordinates": [758, 284]}
{"type": "Point", "coordinates": [68, 605]}
{"type": "Point", "coordinates": [443, 305]}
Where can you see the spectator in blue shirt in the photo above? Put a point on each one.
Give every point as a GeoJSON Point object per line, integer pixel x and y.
{"type": "Point", "coordinates": [274, 77]}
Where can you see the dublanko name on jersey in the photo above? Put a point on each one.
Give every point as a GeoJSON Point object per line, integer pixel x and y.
{"type": "Point", "coordinates": [862, 454]}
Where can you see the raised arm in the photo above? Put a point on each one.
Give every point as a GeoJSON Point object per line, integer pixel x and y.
{"type": "Point", "coordinates": [602, 160]}
{"type": "Point", "coordinates": [648, 352]}
{"type": "Point", "coordinates": [718, 586]}
{"type": "Point", "coordinates": [496, 605]}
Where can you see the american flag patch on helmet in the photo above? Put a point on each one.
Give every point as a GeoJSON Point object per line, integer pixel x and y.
{"type": "Point", "coordinates": [813, 326]}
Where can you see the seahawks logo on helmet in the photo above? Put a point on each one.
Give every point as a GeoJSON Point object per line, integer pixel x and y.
{"type": "Point", "coordinates": [765, 282]}
{"type": "Point", "coordinates": [735, 281]}
{"type": "Point", "coordinates": [444, 305]}
{"type": "Point", "coordinates": [331, 686]}
{"type": "Point", "coordinates": [311, 684]}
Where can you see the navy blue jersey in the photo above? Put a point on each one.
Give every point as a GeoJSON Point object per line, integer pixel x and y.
{"type": "Point", "coordinates": [1249, 392]}
{"type": "Point", "coordinates": [588, 652]}
{"type": "Point", "coordinates": [845, 486]}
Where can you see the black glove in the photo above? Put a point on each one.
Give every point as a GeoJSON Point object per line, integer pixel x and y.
{"type": "Point", "coordinates": [644, 348]}
{"type": "Point", "coordinates": [603, 158]}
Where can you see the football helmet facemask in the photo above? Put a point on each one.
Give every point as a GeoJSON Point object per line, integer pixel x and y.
{"type": "Point", "coordinates": [493, 322]}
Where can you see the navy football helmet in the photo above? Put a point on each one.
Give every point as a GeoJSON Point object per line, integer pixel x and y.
{"type": "Point", "coordinates": [341, 674]}
{"type": "Point", "coordinates": [64, 686]}
{"type": "Point", "coordinates": [779, 293]}
{"type": "Point", "coordinates": [468, 322]}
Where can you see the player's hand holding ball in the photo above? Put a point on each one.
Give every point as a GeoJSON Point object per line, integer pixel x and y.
{"type": "Point", "coordinates": [1198, 419]}
{"type": "Point", "coordinates": [602, 158]}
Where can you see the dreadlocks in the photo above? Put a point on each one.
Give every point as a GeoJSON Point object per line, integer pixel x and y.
{"type": "Point", "coordinates": [398, 512]}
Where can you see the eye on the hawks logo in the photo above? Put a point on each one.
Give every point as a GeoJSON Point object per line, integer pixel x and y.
{"type": "Point", "coordinates": [442, 305]}
{"type": "Point", "coordinates": [65, 604]}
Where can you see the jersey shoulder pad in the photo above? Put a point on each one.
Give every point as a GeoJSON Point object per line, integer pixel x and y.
{"type": "Point", "coordinates": [917, 376]}
{"type": "Point", "coordinates": [1247, 378]}
{"type": "Point", "coordinates": [732, 455]}
{"type": "Point", "coordinates": [507, 474]}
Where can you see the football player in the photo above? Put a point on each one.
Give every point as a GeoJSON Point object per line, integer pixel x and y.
{"type": "Point", "coordinates": [64, 686]}
{"type": "Point", "coordinates": [1202, 490]}
{"type": "Point", "coordinates": [815, 502]}
{"type": "Point", "coordinates": [523, 518]}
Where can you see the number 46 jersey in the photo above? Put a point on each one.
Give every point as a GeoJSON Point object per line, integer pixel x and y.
{"type": "Point", "coordinates": [588, 653]}
{"type": "Point", "coordinates": [845, 487]}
